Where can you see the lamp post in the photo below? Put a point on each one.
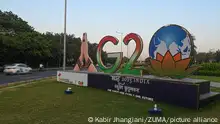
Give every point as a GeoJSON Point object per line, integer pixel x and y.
{"type": "Point", "coordinates": [59, 52]}
{"type": "Point", "coordinates": [121, 38]}
{"type": "Point", "coordinates": [127, 50]}
{"type": "Point", "coordinates": [64, 41]}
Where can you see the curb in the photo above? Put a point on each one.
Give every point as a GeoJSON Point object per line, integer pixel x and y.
{"type": "Point", "coordinates": [25, 82]}
{"type": "Point", "coordinates": [48, 69]}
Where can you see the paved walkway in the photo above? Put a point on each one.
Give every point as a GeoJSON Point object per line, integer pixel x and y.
{"type": "Point", "coordinates": [215, 84]}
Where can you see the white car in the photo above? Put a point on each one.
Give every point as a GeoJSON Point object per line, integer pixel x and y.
{"type": "Point", "coordinates": [17, 68]}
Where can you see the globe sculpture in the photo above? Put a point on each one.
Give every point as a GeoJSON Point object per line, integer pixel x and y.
{"type": "Point", "coordinates": [170, 50]}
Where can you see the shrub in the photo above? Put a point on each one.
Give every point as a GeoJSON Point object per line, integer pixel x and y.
{"type": "Point", "coordinates": [208, 73]}
{"type": "Point", "coordinates": [208, 69]}
{"type": "Point", "coordinates": [210, 66]}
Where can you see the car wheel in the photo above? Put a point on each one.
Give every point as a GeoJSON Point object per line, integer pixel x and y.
{"type": "Point", "coordinates": [17, 72]}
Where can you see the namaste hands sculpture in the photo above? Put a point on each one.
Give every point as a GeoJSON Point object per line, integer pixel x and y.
{"type": "Point", "coordinates": [84, 56]}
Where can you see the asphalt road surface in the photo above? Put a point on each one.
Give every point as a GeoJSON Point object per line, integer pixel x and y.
{"type": "Point", "coordinates": [37, 75]}
{"type": "Point", "coordinates": [4, 79]}
{"type": "Point", "coordinates": [34, 75]}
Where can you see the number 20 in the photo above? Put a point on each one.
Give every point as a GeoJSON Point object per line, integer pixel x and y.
{"type": "Point", "coordinates": [119, 55]}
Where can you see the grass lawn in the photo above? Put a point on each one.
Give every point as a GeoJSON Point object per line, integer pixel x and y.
{"type": "Point", "coordinates": [45, 102]}
{"type": "Point", "coordinates": [211, 78]}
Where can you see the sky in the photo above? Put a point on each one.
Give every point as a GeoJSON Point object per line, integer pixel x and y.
{"type": "Point", "coordinates": [100, 18]}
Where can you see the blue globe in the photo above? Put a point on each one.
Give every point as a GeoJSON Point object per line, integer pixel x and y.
{"type": "Point", "coordinates": [174, 38]}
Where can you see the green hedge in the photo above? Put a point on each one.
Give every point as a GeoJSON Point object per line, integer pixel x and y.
{"type": "Point", "coordinates": [207, 73]}
{"type": "Point", "coordinates": [206, 69]}
{"type": "Point", "coordinates": [210, 66]}
{"type": "Point", "coordinates": [209, 69]}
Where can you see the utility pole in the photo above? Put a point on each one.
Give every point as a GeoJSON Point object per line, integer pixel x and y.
{"type": "Point", "coordinates": [64, 44]}
{"type": "Point", "coordinates": [127, 50]}
{"type": "Point", "coordinates": [59, 51]}
{"type": "Point", "coordinates": [121, 38]}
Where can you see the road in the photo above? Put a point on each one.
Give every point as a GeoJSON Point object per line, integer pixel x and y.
{"type": "Point", "coordinates": [34, 75]}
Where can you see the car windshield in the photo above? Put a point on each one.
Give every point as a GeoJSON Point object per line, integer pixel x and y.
{"type": "Point", "coordinates": [22, 65]}
{"type": "Point", "coordinates": [12, 65]}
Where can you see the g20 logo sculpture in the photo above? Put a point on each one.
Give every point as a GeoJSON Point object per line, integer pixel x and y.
{"type": "Point", "coordinates": [170, 50]}
{"type": "Point", "coordinates": [127, 69]}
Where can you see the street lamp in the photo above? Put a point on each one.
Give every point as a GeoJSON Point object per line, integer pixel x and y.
{"type": "Point", "coordinates": [122, 41]}
{"type": "Point", "coordinates": [121, 38]}
{"type": "Point", "coordinates": [64, 44]}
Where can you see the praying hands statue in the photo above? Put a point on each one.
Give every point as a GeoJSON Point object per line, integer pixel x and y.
{"type": "Point", "coordinates": [84, 56]}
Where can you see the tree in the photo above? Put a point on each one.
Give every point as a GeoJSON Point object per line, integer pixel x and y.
{"type": "Point", "coordinates": [147, 60]}
{"type": "Point", "coordinates": [201, 57]}
{"type": "Point", "coordinates": [19, 42]}
{"type": "Point", "coordinates": [125, 59]}
{"type": "Point", "coordinates": [217, 56]}
{"type": "Point", "coordinates": [210, 56]}
{"type": "Point", "coordinates": [12, 23]}
{"type": "Point", "coordinates": [193, 47]}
